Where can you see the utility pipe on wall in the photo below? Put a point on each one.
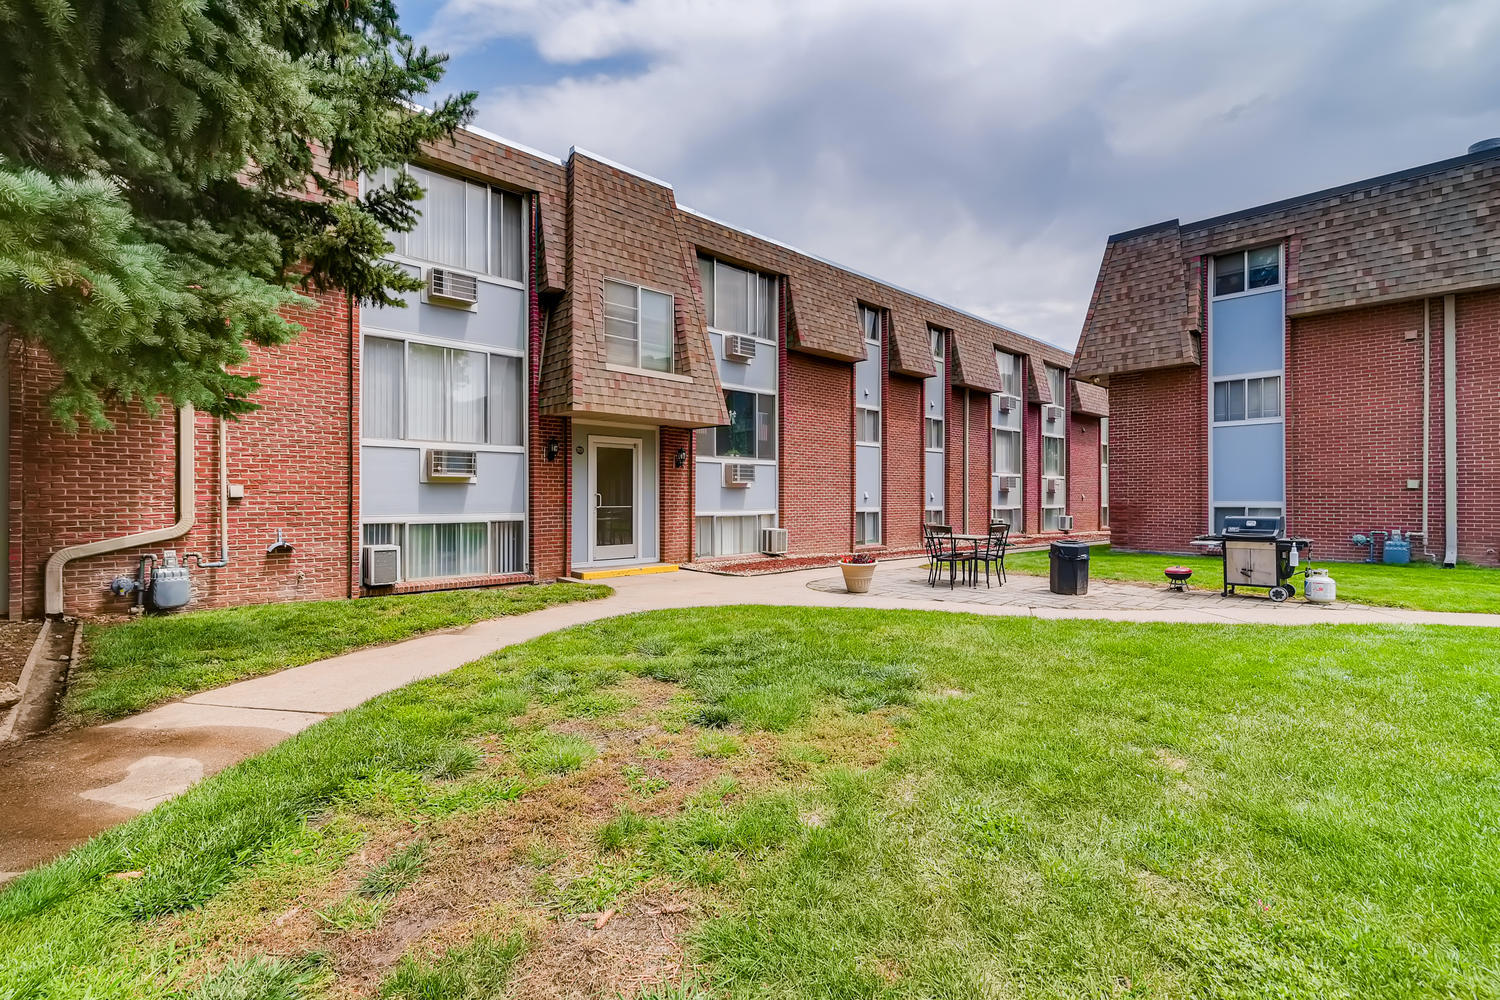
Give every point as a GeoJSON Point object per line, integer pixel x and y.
{"type": "Point", "coordinates": [52, 588]}
{"type": "Point", "coordinates": [966, 459]}
{"type": "Point", "coordinates": [1450, 429]}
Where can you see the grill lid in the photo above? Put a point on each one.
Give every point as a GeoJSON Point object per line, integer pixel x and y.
{"type": "Point", "coordinates": [1252, 527]}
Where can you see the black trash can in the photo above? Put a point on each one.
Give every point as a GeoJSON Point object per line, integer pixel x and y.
{"type": "Point", "coordinates": [1070, 567]}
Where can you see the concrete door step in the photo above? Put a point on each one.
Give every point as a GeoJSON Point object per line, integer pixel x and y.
{"type": "Point", "coordinates": [619, 571]}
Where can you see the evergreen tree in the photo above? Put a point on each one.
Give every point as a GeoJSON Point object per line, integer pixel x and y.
{"type": "Point", "coordinates": [174, 172]}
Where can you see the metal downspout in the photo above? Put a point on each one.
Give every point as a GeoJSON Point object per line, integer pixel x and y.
{"type": "Point", "coordinates": [1450, 430]}
{"type": "Point", "coordinates": [52, 588]}
{"type": "Point", "coordinates": [966, 459]}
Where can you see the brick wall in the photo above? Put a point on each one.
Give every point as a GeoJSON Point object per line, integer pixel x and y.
{"type": "Point", "coordinates": [902, 451]}
{"type": "Point", "coordinates": [676, 495]}
{"type": "Point", "coordinates": [1478, 367]}
{"type": "Point", "coordinates": [1083, 471]}
{"type": "Point", "coordinates": [293, 457]}
{"type": "Point", "coordinates": [1158, 474]}
{"type": "Point", "coordinates": [817, 454]}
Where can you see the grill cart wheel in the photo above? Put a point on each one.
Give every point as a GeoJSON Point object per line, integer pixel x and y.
{"type": "Point", "coordinates": [1279, 594]}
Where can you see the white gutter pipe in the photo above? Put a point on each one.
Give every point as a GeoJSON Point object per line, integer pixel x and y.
{"type": "Point", "coordinates": [53, 578]}
{"type": "Point", "coordinates": [1450, 428]}
{"type": "Point", "coordinates": [1426, 416]}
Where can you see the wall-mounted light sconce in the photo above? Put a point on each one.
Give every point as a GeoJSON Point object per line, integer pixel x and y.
{"type": "Point", "coordinates": [681, 457]}
{"type": "Point", "coordinates": [553, 447]}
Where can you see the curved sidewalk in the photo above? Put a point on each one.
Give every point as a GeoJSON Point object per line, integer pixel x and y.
{"type": "Point", "coordinates": [62, 789]}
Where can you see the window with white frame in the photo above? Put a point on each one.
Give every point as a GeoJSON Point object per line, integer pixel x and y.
{"type": "Point", "coordinates": [1103, 472]}
{"type": "Point", "coordinates": [443, 549]}
{"type": "Point", "coordinates": [417, 391]}
{"type": "Point", "coordinates": [1005, 444]}
{"type": "Point", "coordinates": [1256, 398]}
{"type": "Point", "coordinates": [464, 224]}
{"type": "Point", "coordinates": [750, 433]}
{"type": "Point", "coordinates": [737, 300]}
{"type": "Point", "coordinates": [867, 411]}
{"type": "Point", "coordinates": [867, 527]}
{"type": "Point", "coordinates": [730, 534]}
{"type": "Point", "coordinates": [1055, 455]}
{"type": "Point", "coordinates": [934, 433]}
{"type": "Point", "coordinates": [638, 328]}
{"type": "Point", "coordinates": [1247, 270]}
{"type": "Point", "coordinates": [933, 515]}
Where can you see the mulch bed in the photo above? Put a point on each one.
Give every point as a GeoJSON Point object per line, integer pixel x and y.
{"type": "Point", "coordinates": [16, 640]}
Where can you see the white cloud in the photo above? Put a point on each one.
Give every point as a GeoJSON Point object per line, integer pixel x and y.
{"type": "Point", "coordinates": [980, 152]}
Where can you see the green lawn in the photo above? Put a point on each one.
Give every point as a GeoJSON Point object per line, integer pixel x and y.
{"type": "Point", "coordinates": [132, 666]}
{"type": "Point", "coordinates": [913, 805]}
{"type": "Point", "coordinates": [1421, 586]}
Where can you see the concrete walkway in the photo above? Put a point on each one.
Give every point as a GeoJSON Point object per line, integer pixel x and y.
{"type": "Point", "coordinates": [61, 789]}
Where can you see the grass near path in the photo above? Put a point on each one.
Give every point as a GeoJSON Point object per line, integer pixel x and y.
{"type": "Point", "coordinates": [133, 666]}
{"type": "Point", "coordinates": [1420, 586]}
{"type": "Point", "coordinates": [928, 805]}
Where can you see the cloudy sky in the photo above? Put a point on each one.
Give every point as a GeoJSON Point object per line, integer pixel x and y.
{"type": "Point", "coordinates": [978, 152]}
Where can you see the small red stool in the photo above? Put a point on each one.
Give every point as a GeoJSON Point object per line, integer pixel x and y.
{"type": "Point", "coordinates": [1179, 576]}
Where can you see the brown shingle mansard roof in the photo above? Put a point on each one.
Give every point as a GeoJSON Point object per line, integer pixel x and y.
{"type": "Point", "coordinates": [1428, 230]}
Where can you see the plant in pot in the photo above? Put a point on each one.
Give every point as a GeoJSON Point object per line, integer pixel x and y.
{"type": "Point", "coordinates": [859, 569]}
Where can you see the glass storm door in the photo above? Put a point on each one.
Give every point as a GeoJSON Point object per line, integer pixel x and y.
{"type": "Point", "coordinates": [614, 474]}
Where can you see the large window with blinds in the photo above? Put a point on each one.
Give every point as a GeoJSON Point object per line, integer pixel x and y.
{"type": "Point", "coordinates": [419, 391]}
{"type": "Point", "coordinates": [1005, 445]}
{"type": "Point", "coordinates": [463, 224]}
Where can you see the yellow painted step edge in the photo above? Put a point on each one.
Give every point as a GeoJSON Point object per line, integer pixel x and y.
{"type": "Point", "coordinates": [608, 574]}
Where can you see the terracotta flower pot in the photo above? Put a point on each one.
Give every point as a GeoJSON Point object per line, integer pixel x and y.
{"type": "Point", "coordinates": [857, 576]}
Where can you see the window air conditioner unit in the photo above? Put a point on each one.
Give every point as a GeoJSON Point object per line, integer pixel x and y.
{"type": "Point", "coordinates": [451, 288]}
{"type": "Point", "coordinates": [382, 565]}
{"type": "Point", "coordinates": [1052, 485]}
{"type": "Point", "coordinates": [1065, 522]}
{"type": "Point", "coordinates": [773, 541]}
{"type": "Point", "coordinates": [1052, 413]}
{"type": "Point", "coordinates": [738, 474]}
{"type": "Point", "coordinates": [444, 465]}
{"type": "Point", "coordinates": [1007, 403]}
{"type": "Point", "coordinates": [739, 348]}
{"type": "Point", "coordinates": [1008, 483]}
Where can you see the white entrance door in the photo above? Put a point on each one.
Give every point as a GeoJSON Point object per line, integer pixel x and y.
{"type": "Point", "coordinates": [614, 498]}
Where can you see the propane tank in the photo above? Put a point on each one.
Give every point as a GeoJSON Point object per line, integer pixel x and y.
{"type": "Point", "coordinates": [1319, 587]}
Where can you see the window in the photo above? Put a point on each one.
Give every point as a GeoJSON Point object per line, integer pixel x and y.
{"type": "Point", "coordinates": [1104, 471]}
{"type": "Point", "coordinates": [637, 327]}
{"type": "Point", "coordinates": [935, 341]}
{"type": "Point", "coordinates": [727, 535]}
{"type": "Point", "coordinates": [1247, 399]}
{"type": "Point", "coordinates": [1055, 454]}
{"type": "Point", "coordinates": [1247, 269]}
{"type": "Point", "coordinates": [750, 433]}
{"type": "Point", "coordinates": [1057, 379]}
{"type": "Point", "coordinates": [738, 301]}
{"type": "Point", "coordinates": [1220, 513]}
{"type": "Point", "coordinates": [933, 515]}
{"type": "Point", "coordinates": [464, 224]}
{"type": "Point", "coordinates": [866, 425]}
{"type": "Point", "coordinates": [435, 551]}
{"type": "Point", "coordinates": [867, 528]}
{"type": "Point", "coordinates": [1009, 366]}
{"type": "Point", "coordinates": [869, 321]}
{"type": "Point", "coordinates": [426, 392]}
{"type": "Point", "coordinates": [934, 433]}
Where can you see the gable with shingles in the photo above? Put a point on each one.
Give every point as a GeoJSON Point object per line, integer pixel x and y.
{"type": "Point", "coordinates": [1089, 398]}
{"type": "Point", "coordinates": [624, 226]}
{"type": "Point", "coordinates": [1430, 230]}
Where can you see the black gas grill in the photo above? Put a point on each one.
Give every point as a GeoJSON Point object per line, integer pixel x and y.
{"type": "Point", "coordinates": [1258, 553]}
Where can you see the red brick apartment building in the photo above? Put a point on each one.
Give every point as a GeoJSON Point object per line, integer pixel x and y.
{"type": "Point", "coordinates": [594, 378]}
{"type": "Point", "coordinates": [1333, 358]}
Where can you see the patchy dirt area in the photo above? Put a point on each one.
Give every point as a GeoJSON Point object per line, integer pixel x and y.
{"type": "Point", "coordinates": [531, 866]}
{"type": "Point", "coordinates": [16, 640]}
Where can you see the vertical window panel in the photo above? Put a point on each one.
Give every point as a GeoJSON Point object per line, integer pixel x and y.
{"type": "Point", "coordinates": [656, 331]}
{"type": "Point", "coordinates": [382, 381]}
{"type": "Point", "coordinates": [475, 226]}
{"type": "Point", "coordinates": [427, 392]}
{"type": "Point", "coordinates": [513, 260]}
{"type": "Point", "coordinates": [507, 400]}
{"type": "Point", "coordinates": [468, 388]}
